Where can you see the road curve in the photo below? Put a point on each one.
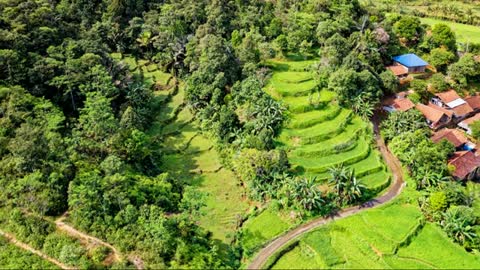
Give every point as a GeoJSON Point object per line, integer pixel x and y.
{"type": "Point", "coordinates": [393, 191]}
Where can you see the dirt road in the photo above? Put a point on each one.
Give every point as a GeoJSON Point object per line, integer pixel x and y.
{"type": "Point", "coordinates": [393, 191]}
{"type": "Point", "coordinates": [28, 248]}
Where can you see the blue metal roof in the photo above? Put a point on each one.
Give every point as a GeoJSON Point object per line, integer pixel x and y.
{"type": "Point", "coordinates": [410, 60]}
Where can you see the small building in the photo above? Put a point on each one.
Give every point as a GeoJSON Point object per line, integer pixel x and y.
{"type": "Point", "coordinates": [436, 117]}
{"type": "Point", "coordinates": [455, 137]}
{"type": "Point", "coordinates": [411, 62]}
{"type": "Point", "coordinates": [400, 71]}
{"type": "Point", "coordinates": [465, 124]}
{"type": "Point", "coordinates": [466, 165]}
{"type": "Point", "coordinates": [399, 104]}
{"type": "Point", "coordinates": [452, 101]}
{"type": "Point", "coordinates": [474, 102]}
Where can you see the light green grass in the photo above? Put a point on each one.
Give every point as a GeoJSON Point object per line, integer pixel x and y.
{"type": "Point", "coordinates": [224, 205]}
{"type": "Point", "coordinates": [350, 134]}
{"type": "Point", "coordinates": [13, 257]}
{"type": "Point", "coordinates": [258, 230]}
{"type": "Point", "coordinates": [376, 179]}
{"type": "Point", "coordinates": [464, 32]}
{"type": "Point", "coordinates": [432, 245]}
{"type": "Point", "coordinates": [308, 119]}
{"type": "Point", "coordinates": [307, 103]}
{"type": "Point", "coordinates": [323, 163]}
{"type": "Point", "coordinates": [291, 89]}
{"type": "Point", "coordinates": [300, 257]}
{"type": "Point", "coordinates": [291, 77]}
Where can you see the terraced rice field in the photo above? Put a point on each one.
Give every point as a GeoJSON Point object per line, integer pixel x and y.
{"type": "Point", "coordinates": [391, 237]}
{"type": "Point", "coordinates": [189, 156]}
{"type": "Point", "coordinates": [319, 133]}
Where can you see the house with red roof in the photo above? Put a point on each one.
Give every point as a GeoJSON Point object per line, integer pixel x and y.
{"type": "Point", "coordinates": [450, 100]}
{"type": "Point", "coordinates": [474, 102]}
{"type": "Point", "coordinates": [455, 137]}
{"type": "Point", "coordinates": [466, 124]}
{"type": "Point", "coordinates": [466, 165]}
{"type": "Point", "coordinates": [436, 116]}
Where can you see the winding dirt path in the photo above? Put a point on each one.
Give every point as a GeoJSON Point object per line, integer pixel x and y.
{"type": "Point", "coordinates": [393, 191]}
{"type": "Point", "coordinates": [61, 225]}
{"type": "Point", "coordinates": [28, 248]}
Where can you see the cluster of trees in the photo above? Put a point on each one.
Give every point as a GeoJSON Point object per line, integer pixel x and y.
{"type": "Point", "coordinates": [409, 140]}
{"type": "Point", "coordinates": [450, 205]}
{"type": "Point", "coordinates": [73, 127]}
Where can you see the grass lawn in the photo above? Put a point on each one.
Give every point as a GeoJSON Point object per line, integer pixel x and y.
{"type": "Point", "coordinates": [464, 32]}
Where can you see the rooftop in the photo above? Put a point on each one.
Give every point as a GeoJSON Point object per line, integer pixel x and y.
{"type": "Point", "coordinates": [472, 119]}
{"type": "Point", "coordinates": [403, 104]}
{"type": "Point", "coordinates": [456, 137]}
{"type": "Point", "coordinates": [449, 113]}
{"type": "Point", "coordinates": [465, 162]}
{"type": "Point", "coordinates": [430, 112]}
{"type": "Point", "coordinates": [410, 60]}
{"type": "Point", "coordinates": [448, 96]}
{"type": "Point", "coordinates": [462, 110]}
{"type": "Point", "coordinates": [473, 101]}
{"type": "Point", "coordinates": [398, 70]}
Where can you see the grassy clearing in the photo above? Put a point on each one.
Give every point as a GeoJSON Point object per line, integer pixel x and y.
{"type": "Point", "coordinates": [464, 32]}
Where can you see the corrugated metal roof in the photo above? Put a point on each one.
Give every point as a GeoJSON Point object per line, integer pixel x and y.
{"type": "Point", "coordinates": [410, 60]}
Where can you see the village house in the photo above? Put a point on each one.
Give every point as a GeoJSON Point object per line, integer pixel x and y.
{"type": "Point", "coordinates": [436, 117]}
{"type": "Point", "coordinates": [474, 102]}
{"type": "Point", "coordinates": [400, 71]}
{"type": "Point", "coordinates": [400, 103]}
{"type": "Point", "coordinates": [410, 62]}
{"type": "Point", "coordinates": [466, 165]}
{"type": "Point", "coordinates": [455, 137]}
{"type": "Point", "coordinates": [465, 124]}
{"type": "Point", "coordinates": [450, 100]}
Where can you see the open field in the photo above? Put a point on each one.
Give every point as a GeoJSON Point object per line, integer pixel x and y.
{"type": "Point", "coordinates": [393, 236]}
{"type": "Point", "coordinates": [464, 32]}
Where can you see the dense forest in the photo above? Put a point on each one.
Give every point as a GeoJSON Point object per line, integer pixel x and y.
{"type": "Point", "coordinates": [74, 119]}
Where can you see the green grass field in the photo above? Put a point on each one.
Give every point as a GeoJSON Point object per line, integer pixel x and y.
{"type": "Point", "coordinates": [389, 237]}
{"type": "Point", "coordinates": [464, 32]}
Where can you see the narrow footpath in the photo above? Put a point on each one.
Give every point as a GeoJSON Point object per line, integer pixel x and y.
{"type": "Point", "coordinates": [61, 225]}
{"type": "Point", "coordinates": [28, 248]}
{"type": "Point", "coordinates": [393, 191]}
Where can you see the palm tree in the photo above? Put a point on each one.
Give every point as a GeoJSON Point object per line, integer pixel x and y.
{"type": "Point", "coordinates": [345, 184]}
{"type": "Point", "coordinates": [306, 192]}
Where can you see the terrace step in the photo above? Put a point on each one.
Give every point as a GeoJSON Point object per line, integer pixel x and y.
{"type": "Point", "coordinates": [292, 77]}
{"type": "Point", "coordinates": [311, 118]}
{"type": "Point", "coordinates": [322, 164]}
{"type": "Point", "coordinates": [315, 101]}
{"type": "Point", "coordinates": [292, 89]}
{"type": "Point", "coordinates": [317, 133]}
{"type": "Point", "coordinates": [336, 144]}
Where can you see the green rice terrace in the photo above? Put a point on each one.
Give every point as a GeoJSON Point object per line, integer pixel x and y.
{"type": "Point", "coordinates": [190, 156]}
{"type": "Point", "coordinates": [320, 134]}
